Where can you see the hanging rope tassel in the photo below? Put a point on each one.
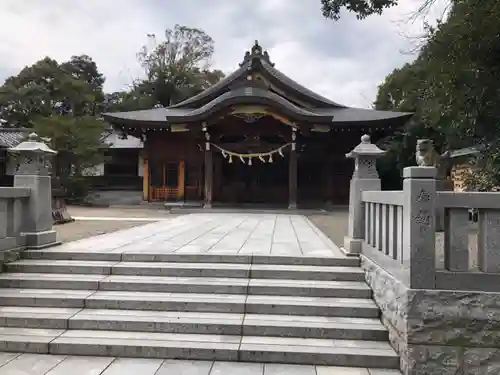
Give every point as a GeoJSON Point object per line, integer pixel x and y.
{"type": "Point", "coordinates": [224, 154]}
{"type": "Point", "coordinates": [242, 160]}
{"type": "Point", "coordinates": [270, 158]}
{"type": "Point", "coordinates": [281, 153]}
{"type": "Point", "coordinates": [262, 159]}
{"type": "Point", "coordinates": [230, 159]}
{"type": "Point", "coordinates": [250, 161]}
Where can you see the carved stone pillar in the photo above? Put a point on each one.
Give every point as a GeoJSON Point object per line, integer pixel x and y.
{"type": "Point", "coordinates": [364, 178]}
{"type": "Point", "coordinates": [292, 174]}
{"type": "Point", "coordinates": [209, 169]}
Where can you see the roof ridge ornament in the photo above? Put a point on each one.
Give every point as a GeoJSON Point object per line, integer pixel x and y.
{"type": "Point", "coordinates": [256, 53]}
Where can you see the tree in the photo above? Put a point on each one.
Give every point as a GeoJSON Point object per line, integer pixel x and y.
{"type": "Point", "coordinates": [137, 98]}
{"type": "Point", "coordinates": [61, 102]}
{"type": "Point", "coordinates": [179, 66]}
{"type": "Point", "coordinates": [47, 88]}
{"type": "Point", "coordinates": [364, 8]}
{"type": "Point", "coordinates": [454, 89]}
{"type": "Point", "coordinates": [78, 141]}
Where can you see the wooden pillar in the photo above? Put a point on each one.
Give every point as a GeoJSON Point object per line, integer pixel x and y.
{"type": "Point", "coordinates": [181, 180]}
{"type": "Point", "coordinates": [145, 180]}
{"type": "Point", "coordinates": [209, 169]}
{"type": "Point", "coordinates": [292, 175]}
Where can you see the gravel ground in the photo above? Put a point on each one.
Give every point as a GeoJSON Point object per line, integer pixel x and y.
{"type": "Point", "coordinates": [83, 229]}
{"type": "Point", "coordinates": [88, 228]}
{"type": "Point", "coordinates": [130, 212]}
{"type": "Point", "coordinates": [333, 225]}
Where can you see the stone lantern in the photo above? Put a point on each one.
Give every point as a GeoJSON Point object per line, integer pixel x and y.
{"type": "Point", "coordinates": [364, 178]}
{"type": "Point", "coordinates": [32, 158]}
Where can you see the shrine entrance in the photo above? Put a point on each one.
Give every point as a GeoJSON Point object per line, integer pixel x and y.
{"type": "Point", "coordinates": [251, 160]}
{"type": "Point", "coordinates": [259, 183]}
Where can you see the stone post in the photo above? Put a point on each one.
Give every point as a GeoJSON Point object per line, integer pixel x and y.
{"type": "Point", "coordinates": [364, 178]}
{"type": "Point", "coordinates": [33, 163]}
{"type": "Point", "coordinates": [419, 226]}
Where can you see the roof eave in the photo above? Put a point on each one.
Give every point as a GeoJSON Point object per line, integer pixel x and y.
{"type": "Point", "coordinates": [220, 106]}
{"type": "Point", "coordinates": [120, 121]}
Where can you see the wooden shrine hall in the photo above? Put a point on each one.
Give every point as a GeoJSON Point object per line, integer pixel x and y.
{"type": "Point", "coordinates": [255, 137]}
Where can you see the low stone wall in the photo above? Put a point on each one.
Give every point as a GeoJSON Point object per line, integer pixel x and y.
{"type": "Point", "coordinates": [435, 331]}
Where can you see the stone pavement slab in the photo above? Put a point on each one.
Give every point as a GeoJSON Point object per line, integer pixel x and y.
{"type": "Point", "coordinates": [216, 233]}
{"type": "Point", "coordinates": [43, 364]}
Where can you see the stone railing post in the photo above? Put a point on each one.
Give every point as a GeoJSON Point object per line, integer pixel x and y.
{"type": "Point", "coordinates": [33, 164]}
{"type": "Point", "coordinates": [419, 226]}
{"type": "Point", "coordinates": [364, 178]}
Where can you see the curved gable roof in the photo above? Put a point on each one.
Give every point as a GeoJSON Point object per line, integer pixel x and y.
{"type": "Point", "coordinates": [259, 61]}
{"type": "Point", "coordinates": [236, 89]}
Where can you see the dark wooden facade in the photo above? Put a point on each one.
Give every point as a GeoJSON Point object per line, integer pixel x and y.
{"type": "Point", "coordinates": [221, 146]}
{"type": "Point", "coordinates": [175, 168]}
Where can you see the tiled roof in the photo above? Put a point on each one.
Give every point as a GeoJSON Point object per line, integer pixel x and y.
{"type": "Point", "coordinates": [12, 137]}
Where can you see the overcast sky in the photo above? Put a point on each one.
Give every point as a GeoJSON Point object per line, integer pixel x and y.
{"type": "Point", "coordinates": [344, 60]}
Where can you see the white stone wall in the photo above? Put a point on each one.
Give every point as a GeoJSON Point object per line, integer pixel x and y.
{"type": "Point", "coordinates": [97, 170]}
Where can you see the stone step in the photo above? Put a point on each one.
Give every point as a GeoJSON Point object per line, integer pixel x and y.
{"type": "Point", "coordinates": [282, 287]}
{"type": "Point", "coordinates": [224, 303]}
{"type": "Point", "coordinates": [332, 352]}
{"type": "Point", "coordinates": [160, 256]}
{"type": "Point", "coordinates": [194, 322]}
{"type": "Point", "coordinates": [230, 270]}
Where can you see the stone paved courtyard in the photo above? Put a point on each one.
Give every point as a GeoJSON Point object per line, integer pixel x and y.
{"type": "Point", "coordinates": [243, 234]}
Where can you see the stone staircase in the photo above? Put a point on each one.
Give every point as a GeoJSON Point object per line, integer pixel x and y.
{"type": "Point", "coordinates": [208, 307]}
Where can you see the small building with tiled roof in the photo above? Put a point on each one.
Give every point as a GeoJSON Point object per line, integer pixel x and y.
{"type": "Point", "coordinates": [121, 170]}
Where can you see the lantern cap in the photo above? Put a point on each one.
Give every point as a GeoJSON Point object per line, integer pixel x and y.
{"type": "Point", "coordinates": [365, 148]}
{"type": "Point", "coordinates": [33, 144]}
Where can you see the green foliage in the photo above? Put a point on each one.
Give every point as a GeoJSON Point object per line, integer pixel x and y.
{"type": "Point", "coordinates": [364, 8]}
{"type": "Point", "coordinates": [77, 139]}
{"type": "Point", "coordinates": [454, 89]}
{"type": "Point", "coordinates": [47, 88]}
{"type": "Point", "coordinates": [60, 102]}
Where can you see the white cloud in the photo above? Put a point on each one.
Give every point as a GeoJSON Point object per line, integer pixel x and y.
{"type": "Point", "coordinates": [344, 61]}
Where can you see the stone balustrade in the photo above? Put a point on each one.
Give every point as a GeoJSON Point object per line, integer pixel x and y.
{"type": "Point", "coordinates": [13, 203]}
{"type": "Point", "coordinates": [441, 319]}
{"type": "Point", "coordinates": [396, 220]}
{"type": "Point", "coordinates": [25, 209]}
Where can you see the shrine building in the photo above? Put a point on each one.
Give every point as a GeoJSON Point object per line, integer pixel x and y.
{"type": "Point", "coordinates": [255, 137]}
